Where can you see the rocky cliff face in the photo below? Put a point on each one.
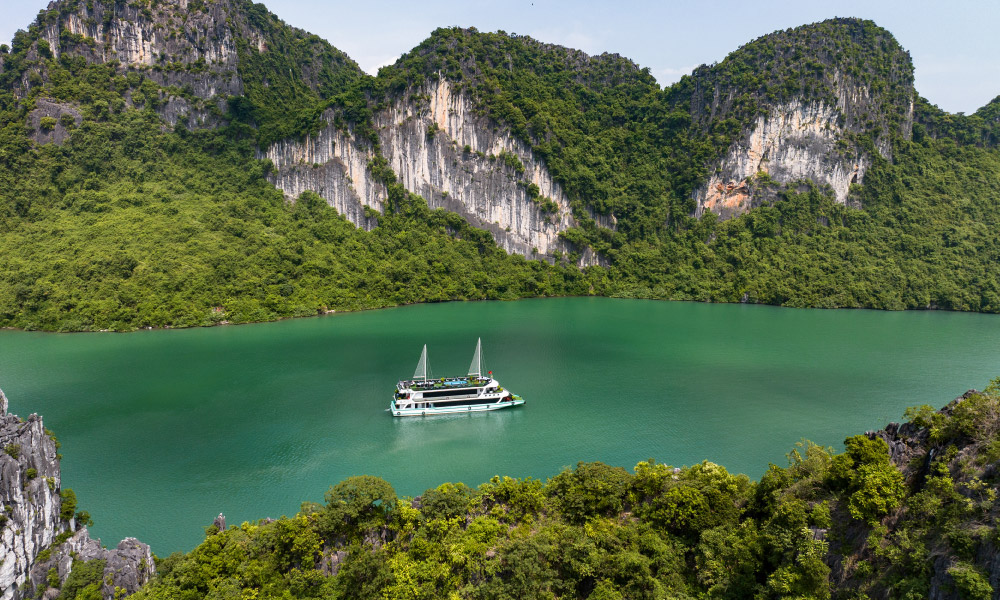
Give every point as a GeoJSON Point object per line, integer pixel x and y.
{"type": "Point", "coordinates": [126, 568]}
{"type": "Point", "coordinates": [29, 493]}
{"type": "Point", "coordinates": [970, 470]}
{"type": "Point", "coordinates": [795, 141]}
{"type": "Point", "coordinates": [334, 165]}
{"type": "Point", "coordinates": [30, 522]}
{"type": "Point", "coordinates": [433, 139]}
{"type": "Point", "coordinates": [442, 150]}
{"type": "Point", "coordinates": [190, 46]}
{"type": "Point", "coordinates": [791, 105]}
{"type": "Point", "coordinates": [174, 35]}
{"type": "Point", "coordinates": [52, 122]}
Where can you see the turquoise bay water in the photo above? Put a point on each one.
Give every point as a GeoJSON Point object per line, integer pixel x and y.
{"type": "Point", "coordinates": [162, 430]}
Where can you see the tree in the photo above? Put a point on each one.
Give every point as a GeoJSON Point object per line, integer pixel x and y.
{"type": "Point", "coordinates": [591, 490]}
{"type": "Point", "coordinates": [878, 490]}
{"type": "Point", "coordinates": [355, 506]}
{"type": "Point", "coordinates": [68, 506]}
{"type": "Point", "coordinates": [447, 501]}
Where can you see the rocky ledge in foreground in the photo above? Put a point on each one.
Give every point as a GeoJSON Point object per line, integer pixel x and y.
{"type": "Point", "coordinates": [41, 545]}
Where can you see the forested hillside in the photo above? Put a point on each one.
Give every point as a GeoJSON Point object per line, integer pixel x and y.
{"type": "Point", "coordinates": [133, 193]}
{"type": "Point", "coordinates": [907, 512]}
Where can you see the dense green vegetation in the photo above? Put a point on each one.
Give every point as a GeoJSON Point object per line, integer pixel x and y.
{"type": "Point", "coordinates": [287, 85]}
{"type": "Point", "coordinates": [922, 241]}
{"type": "Point", "coordinates": [850, 525]}
{"type": "Point", "coordinates": [172, 229]}
{"type": "Point", "coordinates": [620, 144]}
{"type": "Point", "coordinates": [130, 224]}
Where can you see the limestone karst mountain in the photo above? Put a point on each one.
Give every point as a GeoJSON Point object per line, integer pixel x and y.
{"type": "Point", "coordinates": [194, 162]}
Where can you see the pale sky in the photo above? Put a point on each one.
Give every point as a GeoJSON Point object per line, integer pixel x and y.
{"type": "Point", "coordinates": [955, 50]}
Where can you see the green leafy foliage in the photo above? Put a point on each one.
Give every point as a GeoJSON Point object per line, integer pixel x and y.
{"type": "Point", "coordinates": [288, 83]}
{"type": "Point", "coordinates": [572, 537]}
{"type": "Point", "coordinates": [355, 506]}
{"type": "Point", "coordinates": [590, 490]}
{"type": "Point", "coordinates": [84, 581]}
{"type": "Point", "coordinates": [879, 491]}
{"type": "Point", "coordinates": [826, 526]}
{"type": "Point", "coordinates": [446, 501]}
{"type": "Point", "coordinates": [970, 582]}
{"type": "Point", "coordinates": [68, 506]}
{"type": "Point", "coordinates": [130, 224]}
{"type": "Point", "coordinates": [218, 242]}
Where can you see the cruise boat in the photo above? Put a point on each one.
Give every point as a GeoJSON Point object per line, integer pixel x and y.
{"type": "Point", "coordinates": [474, 392]}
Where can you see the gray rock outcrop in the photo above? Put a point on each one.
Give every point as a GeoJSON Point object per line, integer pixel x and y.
{"type": "Point", "coordinates": [33, 536]}
{"type": "Point", "coordinates": [792, 142]}
{"type": "Point", "coordinates": [169, 32]}
{"type": "Point", "coordinates": [333, 164]}
{"type": "Point", "coordinates": [441, 149]}
{"type": "Point", "coordinates": [912, 450]}
{"type": "Point", "coordinates": [29, 495]}
{"type": "Point", "coordinates": [51, 122]}
{"type": "Point", "coordinates": [171, 43]}
{"type": "Point", "coordinates": [126, 568]}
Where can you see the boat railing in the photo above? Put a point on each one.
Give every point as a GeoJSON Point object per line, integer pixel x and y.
{"type": "Point", "coordinates": [443, 383]}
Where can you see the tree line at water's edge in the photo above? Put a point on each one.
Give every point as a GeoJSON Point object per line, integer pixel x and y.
{"type": "Point", "coordinates": [132, 224]}
{"type": "Point", "coordinates": [920, 521]}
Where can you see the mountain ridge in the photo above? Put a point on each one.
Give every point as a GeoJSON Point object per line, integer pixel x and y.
{"type": "Point", "coordinates": [778, 175]}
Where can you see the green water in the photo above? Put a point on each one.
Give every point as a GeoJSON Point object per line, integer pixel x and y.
{"type": "Point", "coordinates": [162, 430]}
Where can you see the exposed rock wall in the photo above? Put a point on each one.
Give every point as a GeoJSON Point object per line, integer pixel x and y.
{"type": "Point", "coordinates": [31, 504]}
{"type": "Point", "coordinates": [440, 149]}
{"type": "Point", "coordinates": [56, 131]}
{"type": "Point", "coordinates": [30, 521]}
{"type": "Point", "coordinates": [912, 450]}
{"type": "Point", "coordinates": [797, 141]}
{"type": "Point", "coordinates": [170, 42]}
{"type": "Point", "coordinates": [126, 568]}
{"type": "Point", "coordinates": [476, 184]}
{"type": "Point", "coordinates": [794, 141]}
{"type": "Point", "coordinates": [170, 31]}
{"type": "Point", "coordinates": [333, 165]}
{"type": "Point", "coordinates": [433, 139]}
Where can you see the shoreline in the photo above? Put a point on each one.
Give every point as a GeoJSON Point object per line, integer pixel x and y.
{"type": "Point", "coordinates": [332, 312]}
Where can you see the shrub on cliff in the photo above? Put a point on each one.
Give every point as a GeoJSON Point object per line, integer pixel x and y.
{"type": "Point", "coordinates": [68, 507]}
{"type": "Point", "coordinates": [356, 506]}
{"type": "Point", "coordinates": [446, 501]}
{"type": "Point", "coordinates": [590, 490]}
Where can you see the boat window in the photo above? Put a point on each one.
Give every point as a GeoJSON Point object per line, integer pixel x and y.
{"type": "Point", "coordinates": [445, 393]}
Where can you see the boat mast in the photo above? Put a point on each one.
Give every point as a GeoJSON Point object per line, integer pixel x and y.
{"type": "Point", "coordinates": [421, 372]}
{"type": "Point", "coordinates": [476, 368]}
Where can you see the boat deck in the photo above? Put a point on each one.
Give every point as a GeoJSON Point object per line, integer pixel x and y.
{"type": "Point", "coordinates": [442, 383]}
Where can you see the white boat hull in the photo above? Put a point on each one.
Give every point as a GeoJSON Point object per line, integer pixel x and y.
{"type": "Point", "coordinates": [449, 410]}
